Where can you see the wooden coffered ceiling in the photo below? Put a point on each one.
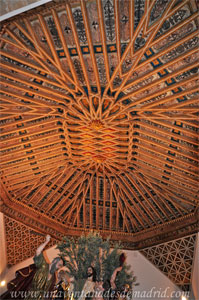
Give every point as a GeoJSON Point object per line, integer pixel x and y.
{"type": "Point", "coordinates": [99, 119]}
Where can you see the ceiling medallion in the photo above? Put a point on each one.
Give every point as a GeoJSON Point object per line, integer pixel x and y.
{"type": "Point", "coordinates": [96, 124]}
{"type": "Point", "coordinates": [99, 158]}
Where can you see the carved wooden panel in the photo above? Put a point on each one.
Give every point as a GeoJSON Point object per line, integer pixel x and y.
{"type": "Point", "coordinates": [174, 259]}
{"type": "Point", "coordinates": [21, 241]}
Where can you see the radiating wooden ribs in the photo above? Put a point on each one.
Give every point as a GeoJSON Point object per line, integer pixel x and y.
{"type": "Point", "coordinates": [147, 107]}
{"type": "Point", "coordinates": [177, 170]}
{"type": "Point", "coordinates": [42, 88]}
{"type": "Point", "coordinates": [144, 197]}
{"type": "Point", "coordinates": [82, 202]}
{"type": "Point", "coordinates": [66, 51]}
{"type": "Point", "coordinates": [63, 74]}
{"type": "Point", "coordinates": [159, 54]}
{"type": "Point", "coordinates": [152, 35]}
{"type": "Point", "coordinates": [126, 51]}
{"type": "Point", "coordinates": [43, 53]}
{"type": "Point", "coordinates": [152, 197]}
{"type": "Point", "coordinates": [166, 65]}
{"type": "Point", "coordinates": [144, 209]}
{"type": "Point", "coordinates": [55, 199]}
{"type": "Point", "coordinates": [120, 207]}
{"type": "Point", "coordinates": [150, 182]}
{"type": "Point", "coordinates": [40, 185]}
{"type": "Point", "coordinates": [154, 57]}
{"type": "Point", "coordinates": [45, 79]}
{"type": "Point", "coordinates": [153, 174]}
{"type": "Point", "coordinates": [37, 183]}
{"type": "Point", "coordinates": [137, 220]}
{"type": "Point", "coordinates": [35, 56]}
{"type": "Point", "coordinates": [158, 81]}
{"type": "Point", "coordinates": [169, 149]}
{"type": "Point", "coordinates": [103, 38]}
{"type": "Point", "coordinates": [90, 44]}
{"type": "Point", "coordinates": [131, 20]}
{"type": "Point", "coordinates": [187, 136]}
{"type": "Point", "coordinates": [31, 127]}
{"type": "Point", "coordinates": [117, 32]}
{"type": "Point", "coordinates": [71, 20]}
{"type": "Point", "coordinates": [30, 91]}
{"type": "Point", "coordinates": [73, 201]}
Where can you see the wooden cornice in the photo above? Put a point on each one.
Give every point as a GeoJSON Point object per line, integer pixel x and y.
{"type": "Point", "coordinates": [160, 234]}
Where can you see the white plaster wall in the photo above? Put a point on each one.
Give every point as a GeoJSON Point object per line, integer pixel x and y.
{"type": "Point", "coordinates": [195, 274]}
{"type": "Point", "coordinates": [10, 8]}
{"type": "Point", "coordinates": [153, 284]}
{"type": "Point", "coordinates": [3, 256]}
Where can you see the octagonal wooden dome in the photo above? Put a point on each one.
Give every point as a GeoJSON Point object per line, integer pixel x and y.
{"type": "Point", "coordinates": [99, 119]}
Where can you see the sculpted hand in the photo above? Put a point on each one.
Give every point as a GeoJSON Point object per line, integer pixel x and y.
{"type": "Point", "coordinates": [48, 237]}
{"type": "Point", "coordinates": [42, 246]}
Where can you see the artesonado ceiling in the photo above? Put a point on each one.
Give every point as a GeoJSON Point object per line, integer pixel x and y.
{"type": "Point", "coordinates": [99, 119]}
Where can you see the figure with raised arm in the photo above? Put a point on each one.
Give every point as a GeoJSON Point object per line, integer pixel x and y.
{"type": "Point", "coordinates": [44, 278]}
{"type": "Point", "coordinates": [36, 281]}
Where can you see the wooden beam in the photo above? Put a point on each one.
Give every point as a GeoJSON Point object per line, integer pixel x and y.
{"type": "Point", "coordinates": [135, 241]}
{"type": "Point", "coordinates": [71, 20]}
{"type": "Point", "coordinates": [66, 51]}
{"type": "Point", "coordinates": [126, 50]}
{"type": "Point", "coordinates": [103, 38]}
{"type": "Point", "coordinates": [90, 44]}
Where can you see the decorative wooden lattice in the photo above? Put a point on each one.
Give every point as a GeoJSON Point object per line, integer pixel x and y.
{"type": "Point", "coordinates": [21, 241]}
{"type": "Point", "coordinates": [99, 113]}
{"type": "Point", "coordinates": [174, 259]}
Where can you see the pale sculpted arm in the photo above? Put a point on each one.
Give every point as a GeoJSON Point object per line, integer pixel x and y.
{"type": "Point", "coordinates": [114, 276]}
{"type": "Point", "coordinates": [42, 246]}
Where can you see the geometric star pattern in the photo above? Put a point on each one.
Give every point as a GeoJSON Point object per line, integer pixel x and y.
{"type": "Point", "coordinates": [174, 259]}
{"type": "Point", "coordinates": [22, 241]}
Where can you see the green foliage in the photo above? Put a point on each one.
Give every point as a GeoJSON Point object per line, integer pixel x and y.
{"type": "Point", "coordinates": [91, 250]}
